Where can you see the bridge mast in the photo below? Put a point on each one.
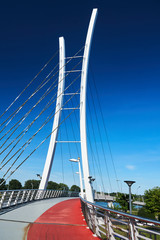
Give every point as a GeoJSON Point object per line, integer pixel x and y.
{"type": "Point", "coordinates": [55, 128]}
{"type": "Point", "coordinates": [87, 182]}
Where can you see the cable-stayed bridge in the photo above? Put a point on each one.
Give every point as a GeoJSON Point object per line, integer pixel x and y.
{"type": "Point", "coordinates": [44, 111]}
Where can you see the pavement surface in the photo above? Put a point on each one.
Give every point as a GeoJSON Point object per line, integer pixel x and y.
{"type": "Point", "coordinates": [56, 219]}
{"type": "Point", "coordinates": [14, 224]}
{"type": "Point", "coordinates": [62, 221]}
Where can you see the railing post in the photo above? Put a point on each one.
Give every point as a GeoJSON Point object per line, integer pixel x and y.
{"type": "Point", "coordinates": [106, 224]}
{"type": "Point", "coordinates": [86, 214]}
{"type": "Point", "coordinates": [10, 199]}
{"type": "Point", "coordinates": [2, 199]}
{"type": "Point", "coordinates": [89, 215]}
{"type": "Point", "coordinates": [53, 194]}
{"type": "Point", "coordinates": [32, 195]}
{"type": "Point", "coordinates": [110, 230]}
{"type": "Point", "coordinates": [133, 230]}
{"type": "Point", "coordinates": [16, 199]}
{"type": "Point", "coordinates": [93, 217]}
{"type": "Point", "coordinates": [29, 192]}
{"type": "Point", "coordinates": [24, 192]}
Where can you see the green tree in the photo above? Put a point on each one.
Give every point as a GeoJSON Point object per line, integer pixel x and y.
{"type": "Point", "coordinates": [123, 200]}
{"type": "Point", "coordinates": [32, 184]}
{"type": "Point", "coordinates": [14, 184]}
{"type": "Point", "coordinates": [142, 212]}
{"type": "Point", "coordinates": [3, 186]}
{"type": "Point", "coordinates": [53, 185]}
{"type": "Point", "coordinates": [62, 186]}
{"type": "Point", "coordinates": [75, 188]}
{"type": "Point", "coordinates": [152, 200]}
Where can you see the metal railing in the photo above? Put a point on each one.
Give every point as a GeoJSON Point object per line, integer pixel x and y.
{"type": "Point", "coordinates": [11, 198]}
{"type": "Point", "coordinates": [110, 224]}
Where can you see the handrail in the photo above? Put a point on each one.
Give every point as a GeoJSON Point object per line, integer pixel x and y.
{"type": "Point", "coordinates": [122, 213]}
{"type": "Point", "coordinates": [112, 224]}
{"type": "Point", "coordinates": [10, 198]}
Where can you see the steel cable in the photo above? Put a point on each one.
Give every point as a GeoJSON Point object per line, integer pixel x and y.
{"type": "Point", "coordinates": [44, 95]}
{"type": "Point", "coordinates": [104, 125]}
{"type": "Point", "coordinates": [100, 138]}
{"type": "Point", "coordinates": [29, 83]}
{"type": "Point", "coordinates": [31, 138]}
{"type": "Point", "coordinates": [36, 148]}
{"type": "Point", "coordinates": [37, 89]}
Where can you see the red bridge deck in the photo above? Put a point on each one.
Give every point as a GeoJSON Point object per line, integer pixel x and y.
{"type": "Point", "coordinates": [62, 221]}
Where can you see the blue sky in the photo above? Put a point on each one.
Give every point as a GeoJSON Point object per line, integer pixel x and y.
{"type": "Point", "coordinates": [125, 59]}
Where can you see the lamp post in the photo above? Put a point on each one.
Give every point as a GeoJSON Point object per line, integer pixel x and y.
{"type": "Point", "coordinates": [129, 183]}
{"type": "Point", "coordinates": [90, 181]}
{"type": "Point", "coordinates": [80, 173]}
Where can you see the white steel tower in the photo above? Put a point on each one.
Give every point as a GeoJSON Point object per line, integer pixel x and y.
{"type": "Point", "coordinates": [83, 92]}
{"type": "Point", "coordinates": [59, 103]}
{"type": "Point", "coordinates": [85, 165]}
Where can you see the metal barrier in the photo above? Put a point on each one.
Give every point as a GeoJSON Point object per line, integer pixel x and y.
{"type": "Point", "coordinates": [110, 224]}
{"type": "Point", "coordinates": [14, 197]}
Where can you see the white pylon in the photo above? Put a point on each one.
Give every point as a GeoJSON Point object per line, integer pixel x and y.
{"type": "Point", "coordinates": [85, 165]}
{"type": "Point", "coordinates": [52, 145]}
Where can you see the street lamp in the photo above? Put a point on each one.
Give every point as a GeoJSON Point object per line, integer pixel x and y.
{"type": "Point", "coordinates": [80, 173]}
{"type": "Point", "coordinates": [129, 183]}
{"type": "Point", "coordinates": [90, 181]}
{"type": "Point", "coordinates": [38, 175]}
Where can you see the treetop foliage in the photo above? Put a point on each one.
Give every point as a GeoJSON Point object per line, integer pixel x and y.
{"type": "Point", "coordinates": [14, 184]}
{"type": "Point", "coordinates": [34, 184]}
{"type": "Point", "coordinates": [152, 200]}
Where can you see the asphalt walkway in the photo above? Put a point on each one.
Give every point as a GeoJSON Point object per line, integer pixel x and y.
{"type": "Point", "coordinates": [62, 221]}
{"type": "Point", "coordinates": [56, 219]}
{"type": "Point", "coordinates": [14, 224]}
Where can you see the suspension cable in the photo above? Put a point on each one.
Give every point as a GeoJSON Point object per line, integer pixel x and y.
{"type": "Point", "coordinates": [37, 118]}
{"type": "Point", "coordinates": [31, 138]}
{"type": "Point", "coordinates": [70, 156]}
{"type": "Point", "coordinates": [96, 148]}
{"type": "Point", "coordinates": [104, 125]}
{"type": "Point", "coordinates": [42, 84]}
{"type": "Point", "coordinates": [44, 95]}
{"type": "Point", "coordinates": [37, 147]}
{"type": "Point", "coordinates": [62, 157]}
{"type": "Point", "coordinates": [38, 88]}
{"type": "Point", "coordinates": [30, 83]}
{"type": "Point", "coordinates": [100, 138]}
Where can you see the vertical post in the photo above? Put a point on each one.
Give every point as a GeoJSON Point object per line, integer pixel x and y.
{"type": "Point", "coordinates": [80, 177]}
{"type": "Point", "coordinates": [52, 145]}
{"type": "Point", "coordinates": [130, 205]}
{"type": "Point", "coordinates": [129, 183]}
{"type": "Point", "coordinates": [88, 188]}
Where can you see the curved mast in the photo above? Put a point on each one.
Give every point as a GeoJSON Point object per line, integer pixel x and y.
{"type": "Point", "coordinates": [52, 144]}
{"type": "Point", "coordinates": [87, 182]}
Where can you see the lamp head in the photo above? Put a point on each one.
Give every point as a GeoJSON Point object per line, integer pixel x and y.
{"type": "Point", "coordinates": [129, 183]}
{"type": "Point", "coordinates": [73, 160]}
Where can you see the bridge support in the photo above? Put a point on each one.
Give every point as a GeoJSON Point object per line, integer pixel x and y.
{"type": "Point", "coordinates": [83, 135]}
{"type": "Point", "coordinates": [88, 187]}
{"type": "Point", "coordinates": [52, 145]}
